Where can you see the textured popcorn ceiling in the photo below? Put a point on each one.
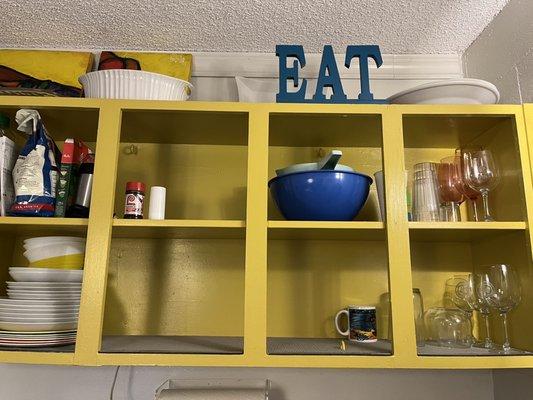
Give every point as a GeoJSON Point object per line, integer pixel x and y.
{"type": "Point", "coordinates": [398, 26]}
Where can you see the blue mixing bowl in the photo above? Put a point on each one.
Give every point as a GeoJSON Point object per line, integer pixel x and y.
{"type": "Point", "coordinates": [322, 195]}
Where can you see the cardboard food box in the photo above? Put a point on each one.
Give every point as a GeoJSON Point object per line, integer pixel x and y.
{"type": "Point", "coordinates": [74, 152]}
{"type": "Point", "coordinates": [176, 65]}
{"type": "Point", "coordinates": [50, 71]}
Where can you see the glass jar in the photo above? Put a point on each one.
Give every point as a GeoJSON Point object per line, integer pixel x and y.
{"type": "Point", "coordinates": [418, 305]}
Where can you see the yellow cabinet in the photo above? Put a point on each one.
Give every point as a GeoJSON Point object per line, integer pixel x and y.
{"type": "Point", "coordinates": [225, 280]}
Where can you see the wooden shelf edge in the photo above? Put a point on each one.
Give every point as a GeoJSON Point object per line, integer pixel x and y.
{"type": "Point", "coordinates": [44, 221]}
{"type": "Point", "coordinates": [511, 225]}
{"type": "Point", "coordinates": [325, 224]}
{"type": "Point", "coordinates": [179, 223]}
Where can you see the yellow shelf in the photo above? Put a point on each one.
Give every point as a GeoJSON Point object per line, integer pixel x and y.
{"type": "Point", "coordinates": [43, 225]}
{"type": "Point", "coordinates": [327, 230]}
{"type": "Point", "coordinates": [215, 160]}
{"type": "Point", "coordinates": [176, 228]}
{"type": "Point", "coordinates": [461, 231]}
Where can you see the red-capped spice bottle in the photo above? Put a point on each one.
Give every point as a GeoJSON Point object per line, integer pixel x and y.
{"type": "Point", "coordinates": [133, 208]}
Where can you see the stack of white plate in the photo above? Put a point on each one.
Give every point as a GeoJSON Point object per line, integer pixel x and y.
{"type": "Point", "coordinates": [42, 307]}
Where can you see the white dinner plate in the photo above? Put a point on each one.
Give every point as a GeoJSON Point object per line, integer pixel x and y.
{"type": "Point", "coordinates": [45, 291]}
{"type": "Point", "coordinates": [33, 333]}
{"type": "Point", "coordinates": [37, 296]}
{"type": "Point", "coordinates": [27, 274]}
{"type": "Point", "coordinates": [43, 285]}
{"type": "Point", "coordinates": [37, 327]}
{"type": "Point", "coordinates": [37, 344]}
{"type": "Point", "coordinates": [38, 320]}
{"type": "Point", "coordinates": [450, 91]}
{"type": "Point", "coordinates": [34, 309]}
{"type": "Point", "coordinates": [25, 302]}
{"type": "Point", "coordinates": [58, 315]}
{"type": "Point", "coordinates": [30, 311]}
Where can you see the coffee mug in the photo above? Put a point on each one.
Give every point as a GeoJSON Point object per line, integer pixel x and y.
{"type": "Point", "coordinates": [361, 323]}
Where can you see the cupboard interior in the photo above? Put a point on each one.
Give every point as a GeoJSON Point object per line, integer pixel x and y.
{"type": "Point", "coordinates": [309, 281]}
{"type": "Point", "coordinates": [433, 137]}
{"type": "Point", "coordinates": [434, 261]}
{"type": "Point", "coordinates": [11, 251]}
{"type": "Point", "coordinates": [304, 138]}
{"type": "Point", "coordinates": [200, 157]}
{"type": "Point", "coordinates": [174, 295]}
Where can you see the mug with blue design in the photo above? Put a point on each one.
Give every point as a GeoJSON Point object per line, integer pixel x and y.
{"type": "Point", "coordinates": [361, 325]}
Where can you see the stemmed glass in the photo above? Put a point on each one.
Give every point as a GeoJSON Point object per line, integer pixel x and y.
{"type": "Point", "coordinates": [501, 290]}
{"type": "Point", "coordinates": [477, 283]}
{"type": "Point", "coordinates": [470, 194]}
{"type": "Point", "coordinates": [481, 174]}
{"type": "Point", "coordinates": [450, 181]}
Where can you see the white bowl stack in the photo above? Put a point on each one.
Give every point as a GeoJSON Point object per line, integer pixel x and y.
{"type": "Point", "coordinates": [42, 307]}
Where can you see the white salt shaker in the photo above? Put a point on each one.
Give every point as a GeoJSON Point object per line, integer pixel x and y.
{"type": "Point", "coordinates": [156, 209]}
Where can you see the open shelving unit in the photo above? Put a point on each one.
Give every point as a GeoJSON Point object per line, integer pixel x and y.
{"type": "Point", "coordinates": [226, 281]}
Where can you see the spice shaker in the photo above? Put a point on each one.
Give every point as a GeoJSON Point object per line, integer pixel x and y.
{"type": "Point", "coordinates": [157, 202]}
{"type": "Point", "coordinates": [133, 207]}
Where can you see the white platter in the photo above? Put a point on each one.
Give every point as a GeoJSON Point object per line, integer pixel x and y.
{"type": "Point", "coordinates": [452, 91]}
{"type": "Point", "coordinates": [27, 274]}
{"type": "Point", "coordinates": [37, 327]}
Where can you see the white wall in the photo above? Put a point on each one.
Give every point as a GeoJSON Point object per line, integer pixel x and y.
{"type": "Point", "coordinates": [80, 383]}
{"type": "Point", "coordinates": [213, 73]}
{"type": "Point", "coordinates": [503, 53]}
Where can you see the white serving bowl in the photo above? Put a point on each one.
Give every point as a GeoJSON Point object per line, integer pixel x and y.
{"type": "Point", "coordinates": [451, 91]}
{"type": "Point", "coordinates": [47, 240]}
{"type": "Point", "coordinates": [53, 250]}
{"type": "Point", "coordinates": [134, 85]}
{"type": "Point", "coordinates": [72, 243]}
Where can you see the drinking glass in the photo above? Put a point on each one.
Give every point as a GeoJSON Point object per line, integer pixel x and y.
{"type": "Point", "coordinates": [448, 327]}
{"type": "Point", "coordinates": [481, 174]}
{"type": "Point", "coordinates": [458, 292]}
{"type": "Point", "coordinates": [449, 179]}
{"type": "Point", "coordinates": [501, 290]}
{"type": "Point", "coordinates": [425, 193]}
{"type": "Point", "coordinates": [478, 282]}
{"type": "Point", "coordinates": [470, 194]}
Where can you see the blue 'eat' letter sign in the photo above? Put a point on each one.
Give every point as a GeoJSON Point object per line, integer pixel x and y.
{"type": "Point", "coordinates": [328, 76]}
{"type": "Point", "coordinates": [290, 73]}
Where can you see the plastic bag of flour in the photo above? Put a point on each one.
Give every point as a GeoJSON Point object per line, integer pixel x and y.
{"type": "Point", "coordinates": [35, 172]}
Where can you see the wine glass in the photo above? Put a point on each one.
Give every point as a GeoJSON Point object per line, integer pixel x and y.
{"type": "Point", "coordinates": [470, 194]}
{"type": "Point", "coordinates": [449, 179]}
{"type": "Point", "coordinates": [481, 174]}
{"type": "Point", "coordinates": [477, 282]}
{"type": "Point", "coordinates": [501, 290]}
